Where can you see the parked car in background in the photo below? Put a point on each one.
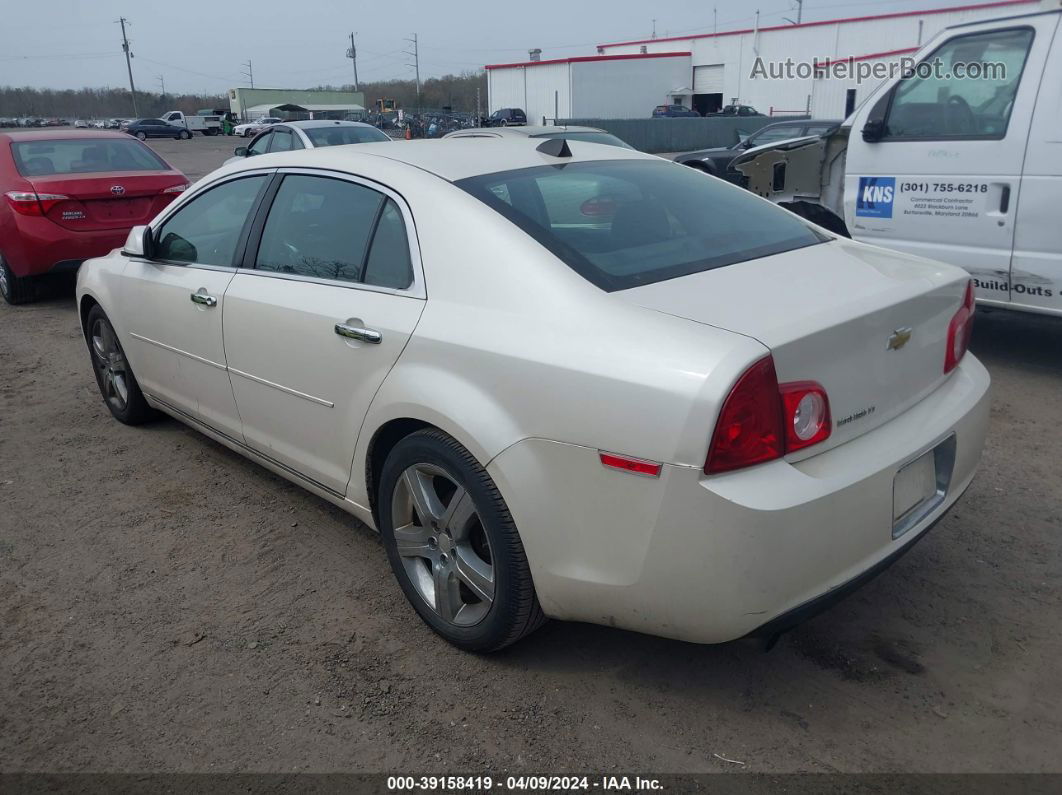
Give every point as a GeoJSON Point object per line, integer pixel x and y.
{"type": "Point", "coordinates": [250, 128]}
{"type": "Point", "coordinates": [507, 117]}
{"type": "Point", "coordinates": [591, 135]}
{"type": "Point", "coordinates": [736, 110]}
{"type": "Point", "coordinates": [676, 409]}
{"type": "Point", "coordinates": [310, 134]}
{"type": "Point", "coordinates": [156, 128]}
{"type": "Point", "coordinates": [69, 195]}
{"type": "Point", "coordinates": [81, 124]}
{"type": "Point", "coordinates": [673, 111]}
{"type": "Point", "coordinates": [204, 125]}
{"type": "Point", "coordinates": [716, 160]}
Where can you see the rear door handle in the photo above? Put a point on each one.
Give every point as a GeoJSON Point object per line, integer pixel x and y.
{"type": "Point", "coordinates": [204, 299]}
{"type": "Point", "coordinates": [358, 333]}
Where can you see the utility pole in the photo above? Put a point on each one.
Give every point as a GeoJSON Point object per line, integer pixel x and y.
{"type": "Point", "coordinates": [249, 71]}
{"type": "Point", "coordinates": [715, 19]}
{"type": "Point", "coordinates": [416, 64]}
{"type": "Point", "coordinates": [654, 28]}
{"type": "Point", "coordinates": [128, 64]}
{"type": "Point", "coordinates": [162, 84]}
{"type": "Point", "coordinates": [352, 54]}
{"type": "Point", "coordinates": [800, 10]}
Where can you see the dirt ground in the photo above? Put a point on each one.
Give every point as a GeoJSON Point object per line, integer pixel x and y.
{"type": "Point", "coordinates": [169, 606]}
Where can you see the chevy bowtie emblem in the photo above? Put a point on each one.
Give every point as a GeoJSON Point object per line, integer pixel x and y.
{"type": "Point", "coordinates": [899, 338]}
{"type": "Point", "coordinates": [117, 190]}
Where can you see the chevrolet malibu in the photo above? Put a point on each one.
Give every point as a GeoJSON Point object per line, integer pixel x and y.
{"type": "Point", "coordinates": [561, 379]}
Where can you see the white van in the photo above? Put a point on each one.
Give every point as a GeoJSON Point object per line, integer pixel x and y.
{"type": "Point", "coordinates": [968, 171]}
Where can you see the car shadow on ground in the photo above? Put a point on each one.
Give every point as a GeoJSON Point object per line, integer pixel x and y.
{"type": "Point", "coordinates": [1022, 340]}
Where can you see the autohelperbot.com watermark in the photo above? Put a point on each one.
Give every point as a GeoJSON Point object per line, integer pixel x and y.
{"type": "Point", "coordinates": [876, 70]}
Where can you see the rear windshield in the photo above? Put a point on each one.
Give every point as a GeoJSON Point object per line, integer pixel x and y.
{"type": "Point", "coordinates": [625, 223]}
{"type": "Point", "coordinates": [338, 136]}
{"type": "Point", "coordinates": [83, 156]}
{"type": "Point", "coordinates": [590, 137]}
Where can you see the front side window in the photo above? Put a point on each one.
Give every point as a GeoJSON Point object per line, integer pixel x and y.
{"type": "Point", "coordinates": [320, 228]}
{"type": "Point", "coordinates": [281, 141]}
{"type": "Point", "coordinates": [84, 156]}
{"type": "Point", "coordinates": [625, 223]}
{"type": "Point", "coordinates": [207, 228]}
{"type": "Point", "coordinates": [261, 144]}
{"type": "Point", "coordinates": [965, 89]}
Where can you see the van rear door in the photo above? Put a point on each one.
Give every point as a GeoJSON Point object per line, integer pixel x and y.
{"type": "Point", "coordinates": [942, 176]}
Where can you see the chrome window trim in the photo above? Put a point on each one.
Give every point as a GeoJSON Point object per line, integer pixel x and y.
{"type": "Point", "coordinates": [415, 290]}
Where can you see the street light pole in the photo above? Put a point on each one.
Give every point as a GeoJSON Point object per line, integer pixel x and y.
{"type": "Point", "coordinates": [128, 64]}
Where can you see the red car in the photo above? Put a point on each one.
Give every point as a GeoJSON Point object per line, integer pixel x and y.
{"type": "Point", "coordinates": [68, 195]}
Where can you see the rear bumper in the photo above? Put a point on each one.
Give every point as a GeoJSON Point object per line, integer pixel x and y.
{"type": "Point", "coordinates": [38, 246]}
{"type": "Point", "coordinates": [711, 559]}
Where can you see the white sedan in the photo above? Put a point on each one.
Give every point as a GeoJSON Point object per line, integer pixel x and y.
{"type": "Point", "coordinates": [247, 129]}
{"type": "Point", "coordinates": [561, 379]}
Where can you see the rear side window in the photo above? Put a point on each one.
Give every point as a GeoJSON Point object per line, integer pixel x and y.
{"type": "Point", "coordinates": [83, 156]}
{"type": "Point", "coordinates": [625, 223]}
{"type": "Point", "coordinates": [338, 136]}
{"type": "Point", "coordinates": [327, 228]}
{"type": "Point", "coordinates": [207, 228]}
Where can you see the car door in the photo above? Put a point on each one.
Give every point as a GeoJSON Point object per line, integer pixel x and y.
{"type": "Point", "coordinates": [172, 303]}
{"type": "Point", "coordinates": [940, 173]}
{"type": "Point", "coordinates": [331, 294]}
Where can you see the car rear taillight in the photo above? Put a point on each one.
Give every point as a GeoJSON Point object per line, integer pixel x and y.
{"type": "Point", "coordinates": [762, 420]}
{"type": "Point", "coordinates": [30, 203]}
{"type": "Point", "coordinates": [749, 430]}
{"type": "Point", "coordinates": [177, 188]}
{"type": "Point", "coordinates": [960, 329]}
{"type": "Point", "coordinates": [806, 411]}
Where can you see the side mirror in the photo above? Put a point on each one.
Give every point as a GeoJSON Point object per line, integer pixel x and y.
{"type": "Point", "coordinates": [240, 151]}
{"type": "Point", "coordinates": [873, 130]}
{"type": "Point", "coordinates": [139, 243]}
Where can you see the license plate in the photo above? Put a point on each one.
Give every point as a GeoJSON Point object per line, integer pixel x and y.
{"type": "Point", "coordinates": [913, 485]}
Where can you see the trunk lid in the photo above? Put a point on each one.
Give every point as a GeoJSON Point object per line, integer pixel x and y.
{"type": "Point", "coordinates": [115, 200]}
{"type": "Point", "coordinates": [869, 325]}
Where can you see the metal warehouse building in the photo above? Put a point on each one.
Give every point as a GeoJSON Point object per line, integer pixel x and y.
{"type": "Point", "coordinates": [627, 79]}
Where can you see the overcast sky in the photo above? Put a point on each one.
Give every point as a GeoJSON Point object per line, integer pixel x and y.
{"type": "Point", "coordinates": [199, 45]}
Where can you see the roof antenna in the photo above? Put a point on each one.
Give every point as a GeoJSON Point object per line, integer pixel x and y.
{"type": "Point", "coordinates": [554, 147]}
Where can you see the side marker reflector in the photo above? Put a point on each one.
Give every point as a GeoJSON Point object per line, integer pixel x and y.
{"type": "Point", "coordinates": [636, 465]}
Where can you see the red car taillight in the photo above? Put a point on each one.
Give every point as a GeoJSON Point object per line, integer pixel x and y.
{"type": "Point", "coordinates": [960, 329]}
{"type": "Point", "coordinates": [762, 420]}
{"type": "Point", "coordinates": [30, 203]}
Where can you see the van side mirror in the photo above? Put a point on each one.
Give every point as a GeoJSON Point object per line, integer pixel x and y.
{"type": "Point", "coordinates": [139, 243]}
{"type": "Point", "coordinates": [240, 151]}
{"type": "Point", "coordinates": [873, 130]}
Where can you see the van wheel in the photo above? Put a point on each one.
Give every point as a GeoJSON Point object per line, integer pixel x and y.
{"type": "Point", "coordinates": [453, 545]}
{"type": "Point", "coordinates": [114, 376]}
{"type": "Point", "coordinates": [16, 289]}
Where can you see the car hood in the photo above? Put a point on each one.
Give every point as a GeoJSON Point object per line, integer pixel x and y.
{"type": "Point", "coordinates": [702, 154]}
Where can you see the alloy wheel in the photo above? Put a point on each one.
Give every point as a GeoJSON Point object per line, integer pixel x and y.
{"type": "Point", "coordinates": [5, 285]}
{"type": "Point", "coordinates": [110, 363]}
{"type": "Point", "coordinates": [443, 546]}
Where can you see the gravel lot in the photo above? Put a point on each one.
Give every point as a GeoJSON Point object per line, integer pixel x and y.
{"type": "Point", "coordinates": [168, 605]}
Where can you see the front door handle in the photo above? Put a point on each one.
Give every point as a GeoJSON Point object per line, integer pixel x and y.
{"type": "Point", "coordinates": [204, 299]}
{"type": "Point", "coordinates": [358, 333]}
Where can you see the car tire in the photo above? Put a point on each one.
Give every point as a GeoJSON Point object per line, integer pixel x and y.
{"type": "Point", "coordinates": [114, 377]}
{"type": "Point", "coordinates": [142, 136]}
{"type": "Point", "coordinates": [246, 133]}
{"type": "Point", "coordinates": [185, 135]}
{"type": "Point", "coordinates": [16, 289]}
{"type": "Point", "coordinates": [463, 569]}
